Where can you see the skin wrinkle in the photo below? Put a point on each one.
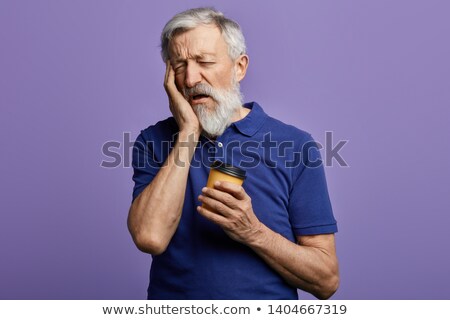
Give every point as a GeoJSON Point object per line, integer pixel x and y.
{"type": "Point", "coordinates": [189, 47]}
{"type": "Point", "coordinates": [202, 66]}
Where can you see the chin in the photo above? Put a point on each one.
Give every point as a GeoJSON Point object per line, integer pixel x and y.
{"type": "Point", "coordinates": [208, 108]}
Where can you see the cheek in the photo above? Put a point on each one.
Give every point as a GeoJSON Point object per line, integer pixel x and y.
{"type": "Point", "coordinates": [179, 82]}
{"type": "Point", "coordinates": [225, 77]}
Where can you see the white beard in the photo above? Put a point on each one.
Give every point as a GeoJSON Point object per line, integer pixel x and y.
{"type": "Point", "coordinates": [227, 104]}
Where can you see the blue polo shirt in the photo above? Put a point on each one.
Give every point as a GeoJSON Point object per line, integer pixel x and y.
{"type": "Point", "coordinates": [286, 182]}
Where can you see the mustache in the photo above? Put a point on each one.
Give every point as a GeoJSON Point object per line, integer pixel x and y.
{"type": "Point", "coordinates": [200, 88]}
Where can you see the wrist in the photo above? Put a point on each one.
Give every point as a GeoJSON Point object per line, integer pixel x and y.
{"type": "Point", "coordinates": [189, 135]}
{"type": "Point", "coordinates": [191, 130]}
{"type": "Point", "coordinates": [259, 236]}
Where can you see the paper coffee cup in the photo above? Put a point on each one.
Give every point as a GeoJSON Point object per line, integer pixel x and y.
{"type": "Point", "coordinates": [225, 172]}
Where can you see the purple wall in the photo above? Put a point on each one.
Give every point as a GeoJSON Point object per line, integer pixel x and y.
{"type": "Point", "coordinates": [76, 74]}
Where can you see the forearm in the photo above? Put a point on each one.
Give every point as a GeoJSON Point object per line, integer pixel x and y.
{"type": "Point", "coordinates": [306, 267]}
{"type": "Point", "coordinates": [156, 212]}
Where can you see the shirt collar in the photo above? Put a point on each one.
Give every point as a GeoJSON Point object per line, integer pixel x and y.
{"type": "Point", "coordinates": [254, 120]}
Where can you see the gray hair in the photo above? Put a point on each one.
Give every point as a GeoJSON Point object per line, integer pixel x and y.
{"type": "Point", "coordinates": [192, 18]}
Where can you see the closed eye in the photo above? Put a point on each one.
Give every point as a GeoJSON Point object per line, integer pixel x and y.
{"type": "Point", "coordinates": [179, 68]}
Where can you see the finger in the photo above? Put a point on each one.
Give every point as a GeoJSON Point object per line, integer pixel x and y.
{"type": "Point", "coordinates": [221, 196]}
{"type": "Point", "coordinates": [166, 83]}
{"type": "Point", "coordinates": [170, 85]}
{"type": "Point", "coordinates": [166, 76]}
{"type": "Point", "coordinates": [169, 77]}
{"type": "Point", "coordinates": [216, 206]}
{"type": "Point", "coordinates": [235, 190]}
{"type": "Point", "coordinates": [211, 216]}
{"type": "Point", "coordinates": [169, 81]}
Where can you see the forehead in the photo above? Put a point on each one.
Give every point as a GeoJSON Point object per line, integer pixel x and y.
{"type": "Point", "coordinates": [201, 41]}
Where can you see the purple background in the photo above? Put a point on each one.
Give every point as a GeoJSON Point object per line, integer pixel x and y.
{"type": "Point", "coordinates": [75, 74]}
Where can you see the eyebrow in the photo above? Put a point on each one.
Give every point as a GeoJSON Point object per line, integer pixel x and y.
{"type": "Point", "coordinates": [196, 57]}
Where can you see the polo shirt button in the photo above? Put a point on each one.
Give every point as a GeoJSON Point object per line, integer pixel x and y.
{"type": "Point", "coordinates": [220, 144]}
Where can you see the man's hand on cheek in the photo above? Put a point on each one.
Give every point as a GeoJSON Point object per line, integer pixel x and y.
{"type": "Point", "coordinates": [181, 109]}
{"type": "Point", "coordinates": [229, 206]}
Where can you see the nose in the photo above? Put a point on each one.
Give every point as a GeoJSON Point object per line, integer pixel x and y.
{"type": "Point", "coordinates": [193, 75]}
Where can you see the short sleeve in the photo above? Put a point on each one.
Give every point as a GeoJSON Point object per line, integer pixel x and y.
{"type": "Point", "coordinates": [144, 165]}
{"type": "Point", "coordinates": [310, 208]}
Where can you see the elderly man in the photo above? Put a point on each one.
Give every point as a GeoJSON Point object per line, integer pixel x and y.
{"type": "Point", "coordinates": [261, 240]}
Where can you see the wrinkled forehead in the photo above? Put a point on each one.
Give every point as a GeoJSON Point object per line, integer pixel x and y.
{"type": "Point", "coordinates": [199, 41]}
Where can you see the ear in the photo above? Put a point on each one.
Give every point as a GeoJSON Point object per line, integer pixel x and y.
{"type": "Point", "coordinates": [241, 65]}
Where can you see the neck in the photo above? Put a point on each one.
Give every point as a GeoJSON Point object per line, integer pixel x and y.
{"type": "Point", "coordinates": [240, 114]}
